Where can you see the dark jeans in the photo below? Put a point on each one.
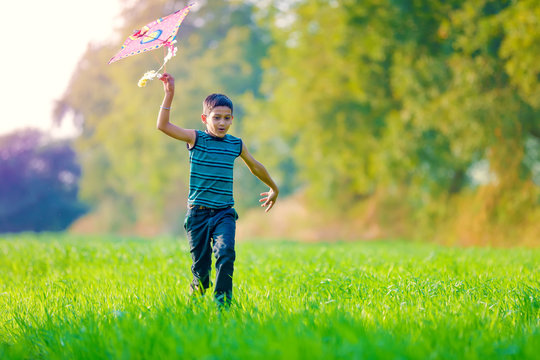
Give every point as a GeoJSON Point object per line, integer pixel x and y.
{"type": "Point", "coordinates": [212, 230]}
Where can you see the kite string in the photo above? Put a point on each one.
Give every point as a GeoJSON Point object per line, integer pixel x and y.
{"type": "Point", "coordinates": [164, 56]}
{"type": "Point", "coordinates": [154, 55]}
{"type": "Point", "coordinates": [163, 65]}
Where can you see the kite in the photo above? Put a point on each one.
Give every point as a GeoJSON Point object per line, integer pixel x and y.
{"type": "Point", "coordinates": [159, 33]}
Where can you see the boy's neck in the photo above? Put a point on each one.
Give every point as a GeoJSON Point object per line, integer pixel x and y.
{"type": "Point", "coordinates": [214, 136]}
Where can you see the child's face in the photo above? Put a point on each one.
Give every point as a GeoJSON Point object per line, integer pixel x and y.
{"type": "Point", "coordinates": [218, 121]}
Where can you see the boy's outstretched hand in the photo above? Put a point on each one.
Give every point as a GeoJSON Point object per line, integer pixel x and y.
{"type": "Point", "coordinates": [168, 82]}
{"type": "Point", "coordinates": [269, 199]}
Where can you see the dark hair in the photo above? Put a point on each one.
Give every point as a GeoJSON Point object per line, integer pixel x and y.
{"type": "Point", "coordinates": [214, 100]}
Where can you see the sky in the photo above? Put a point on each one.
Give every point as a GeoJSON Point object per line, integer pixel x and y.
{"type": "Point", "coordinates": [43, 42]}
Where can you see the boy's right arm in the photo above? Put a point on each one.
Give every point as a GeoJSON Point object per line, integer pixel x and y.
{"type": "Point", "coordinates": [163, 123]}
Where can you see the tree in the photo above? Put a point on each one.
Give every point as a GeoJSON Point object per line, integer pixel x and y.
{"type": "Point", "coordinates": [38, 183]}
{"type": "Point", "coordinates": [406, 98]}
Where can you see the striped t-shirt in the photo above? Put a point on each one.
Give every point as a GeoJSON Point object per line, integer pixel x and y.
{"type": "Point", "coordinates": [211, 170]}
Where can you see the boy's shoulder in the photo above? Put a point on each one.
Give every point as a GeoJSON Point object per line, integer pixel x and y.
{"type": "Point", "coordinates": [230, 143]}
{"type": "Point", "coordinates": [232, 138]}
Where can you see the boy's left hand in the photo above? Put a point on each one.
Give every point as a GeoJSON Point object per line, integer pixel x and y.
{"type": "Point", "coordinates": [269, 199]}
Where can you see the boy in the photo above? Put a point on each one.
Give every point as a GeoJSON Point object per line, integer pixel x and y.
{"type": "Point", "coordinates": [211, 219]}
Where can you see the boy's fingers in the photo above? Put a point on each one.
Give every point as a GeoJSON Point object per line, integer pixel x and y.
{"type": "Point", "coordinates": [267, 202]}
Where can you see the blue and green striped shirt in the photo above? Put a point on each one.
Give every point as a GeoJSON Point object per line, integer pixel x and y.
{"type": "Point", "coordinates": [211, 170]}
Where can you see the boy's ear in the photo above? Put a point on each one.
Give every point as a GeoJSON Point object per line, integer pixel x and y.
{"type": "Point", "coordinates": [203, 118]}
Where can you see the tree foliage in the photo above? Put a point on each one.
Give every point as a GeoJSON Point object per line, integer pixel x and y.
{"type": "Point", "coordinates": [408, 98]}
{"type": "Point", "coordinates": [38, 183]}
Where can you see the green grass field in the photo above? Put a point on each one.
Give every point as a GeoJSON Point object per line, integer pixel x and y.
{"type": "Point", "coordinates": [64, 297]}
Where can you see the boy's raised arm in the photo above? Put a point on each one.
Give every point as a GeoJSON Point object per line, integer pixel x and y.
{"type": "Point", "coordinates": [163, 120]}
{"type": "Point", "coordinates": [258, 169]}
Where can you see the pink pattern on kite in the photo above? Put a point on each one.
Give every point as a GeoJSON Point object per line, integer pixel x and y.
{"type": "Point", "coordinates": [154, 35]}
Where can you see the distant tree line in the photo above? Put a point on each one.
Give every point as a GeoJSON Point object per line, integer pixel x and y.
{"type": "Point", "coordinates": [39, 183]}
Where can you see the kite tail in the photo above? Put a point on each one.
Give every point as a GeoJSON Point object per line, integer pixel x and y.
{"type": "Point", "coordinates": [153, 74]}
